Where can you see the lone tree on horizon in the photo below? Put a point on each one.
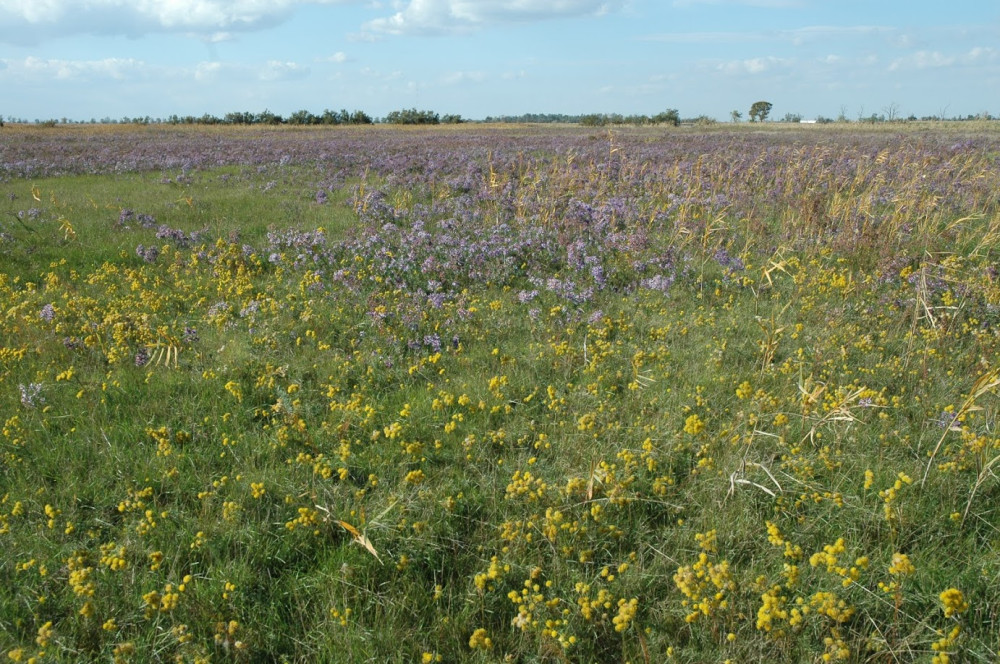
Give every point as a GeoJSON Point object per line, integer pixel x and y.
{"type": "Point", "coordinates": [759, 111]}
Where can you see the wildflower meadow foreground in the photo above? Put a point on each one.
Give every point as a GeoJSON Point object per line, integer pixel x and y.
{"type": "Point", "coordinates": [499, 394]}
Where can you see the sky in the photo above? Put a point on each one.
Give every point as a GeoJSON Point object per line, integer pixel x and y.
{"type": "Point", "coordinates": [94, 59]}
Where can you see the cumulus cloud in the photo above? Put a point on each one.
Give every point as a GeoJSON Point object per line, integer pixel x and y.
{"type": "Point", "coordinates": [754, 65]}
{"type": "Point", "coordinates": [270, 71]}
{"type": "Point", "coordinates": [276, 70]}
{"type": "Point", "coordinates": [460, 77]}
{"type": "Point", "coordinates": [458, 16]}
{"type": "Point", "coordinates": [30, 21]}
{"type": "Point", "coordinates": [43, 70]}
{"type": "Point", "coordinates": [337, 58]}
{"type": "Point", "coordinates": [34, 69]}
{"type": "Point", "coordinates": [980, 55]}
{"type": "Point", "coordinates": [797, 36]}
{"type": "Point", "coordinates": [208, 71]}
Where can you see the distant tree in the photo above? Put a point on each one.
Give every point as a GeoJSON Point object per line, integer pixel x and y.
{"type": "Point", "coordinates": [535, 117]}
{"type": "Point", "coordinates": [891, 112]}
{"type": "Point", "coordinates": [359, 118]}
{"type": "Point", "coordinates": [303, 118]}
{"type": "Point", "coordinates": [735, 115]}
{"type": "Point", "coordinates": [792, 117]}
{"type": "Point", "coordinates": [238, 117]}
{"type": "Point", "coordinates": [759, 111]}
{"type": "Point", "coordinates": [268, 118]}
{"type": "Point", "coordinates": [452, 119]}
{"type": "Point", "coordinates": [413, 116]}
{"type": "Point", "coordinates": [669, 116]}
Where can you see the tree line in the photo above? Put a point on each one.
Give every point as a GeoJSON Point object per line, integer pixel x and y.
{"type": "Point", "coordinates": [759, 112]}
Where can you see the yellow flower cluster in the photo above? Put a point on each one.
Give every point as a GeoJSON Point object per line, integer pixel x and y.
{"type": "Point", "coordinates": [953, 602]}
{"type": "Point", "coordinates": [480, 640]}
{"type": "Point", "coordinates": [704, 584]}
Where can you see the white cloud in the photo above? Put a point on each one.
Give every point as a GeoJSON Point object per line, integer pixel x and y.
{"type": "Point", "coordinates": [338, 58]}
{"type": "Point", "coordinates": [980, 55]}
{"type": "Point", "coordinates": [754, 65]}
{"type": "Point", "coordinates": [34, 69]}
{"type": "Point", "coordinates": [208, 71]}
{"type": "Point", "coordinates": [31, 21]}
{"type": "Point", "coordinates": [461, 77]}
{"type": "Point", "coordinates": [797, 36]}
{"type": "Point", "coordinates": [458, 16]}
{"type": "Point", "coordinates": [276, 70]}
{"type": "Point", "coordinates": [43, 70]}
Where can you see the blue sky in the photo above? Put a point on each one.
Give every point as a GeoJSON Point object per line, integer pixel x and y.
{"type": "Point", "coordinates": [84, 59]}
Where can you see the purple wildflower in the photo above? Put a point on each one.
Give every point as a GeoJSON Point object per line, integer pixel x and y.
{"type": "Point", "coordinates": [659, 282]}
{"type": "Point", "coordinates": [251, 308]}
{"type": "Point", "coordinates": [728, 261]}
{"type": "Point", "coordinates": [148, 254]}
{"type": "Point", "coordinates": [527, 296]}
{"type": "Point", "coordinates": [434, 341]}
{"type": "Point", "coordinates": [946, 420]}
{"type": "Point", "coordinates": [219, 309]}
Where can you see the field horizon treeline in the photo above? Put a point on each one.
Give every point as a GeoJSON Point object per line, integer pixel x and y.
{"type": "Point", "coordinates": [499, 394]}
{"type": "Point", "coordinates": [413, 116]}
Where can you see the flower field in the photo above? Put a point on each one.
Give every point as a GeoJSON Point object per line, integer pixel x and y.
{"type": "Point", "coordinates": [499, 394]}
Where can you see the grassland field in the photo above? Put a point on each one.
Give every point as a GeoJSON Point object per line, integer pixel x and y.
{"type": "Point", "coordinates": [500, 394]}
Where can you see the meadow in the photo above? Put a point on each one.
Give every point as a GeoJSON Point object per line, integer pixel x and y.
{"type": "Point", "coordinates": [499, 394]}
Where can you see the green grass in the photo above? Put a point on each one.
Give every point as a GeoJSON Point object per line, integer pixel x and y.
{"type": "Point", "coordinates": [229, 202]}
{"type": "Point", "coordinates": [668, 479]}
